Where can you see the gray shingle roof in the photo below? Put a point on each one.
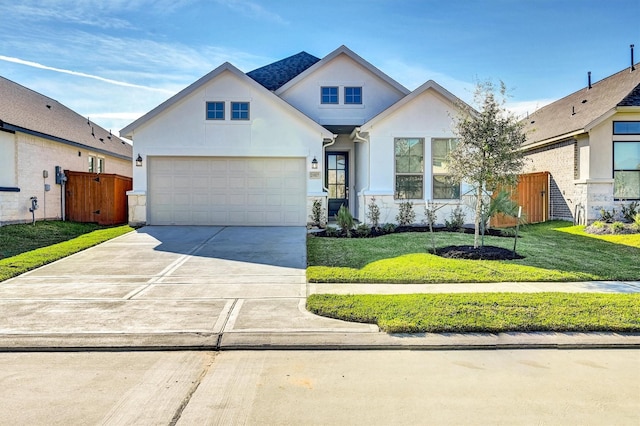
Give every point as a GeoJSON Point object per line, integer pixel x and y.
{"type": "Point", "coordinates": [26, 109]}
{"type": "Point", "coordinates": [575, 111]}
{"type": "Point", "coordinates": [275, 75]}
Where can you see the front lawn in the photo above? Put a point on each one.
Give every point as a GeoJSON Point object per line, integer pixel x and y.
{"type": "Point", "coordinates": [553, 251]}
{"type": "Point", "coordinates": [27, 247]}
{"type": "Point", "coordinates": [485, 312]}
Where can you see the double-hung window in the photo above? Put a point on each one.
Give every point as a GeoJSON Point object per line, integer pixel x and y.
{"type": "Point", "coordinates": [353, 95]}
{"type": "Point", "coordinates": [215, 110]}
{"type": "Point", "coordinates": [444, 187]}
{"type": "Point", "coordinates": [409, 163]}
{"type": "Point", "coordinates": [329, 95]}
{"type": "Point", "coordinates": [626, 170]}
{"type": "Point", "coordinates": [239, 110]}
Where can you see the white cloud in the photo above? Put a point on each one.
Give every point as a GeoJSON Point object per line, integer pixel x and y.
{"type": "Point", "coordinates": [521, 109]}
{"type": "Point", "coordinates": [253, 10]}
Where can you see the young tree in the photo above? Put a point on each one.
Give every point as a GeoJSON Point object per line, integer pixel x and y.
{"type": "Point", "coordinates": [488, 150]}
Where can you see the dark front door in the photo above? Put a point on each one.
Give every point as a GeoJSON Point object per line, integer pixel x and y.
{"type": "Point", "coordinates": [337, 180]}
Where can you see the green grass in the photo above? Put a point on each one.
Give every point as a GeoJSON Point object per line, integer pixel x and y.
{"type": "Point", "coordinates": [29, 246]}
{"type": "Point", "coordinates": [553, 251]}
{"type": "Point", "coordinates": [485, 312]}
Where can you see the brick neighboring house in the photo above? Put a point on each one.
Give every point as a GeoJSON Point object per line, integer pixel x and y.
{"type": "Point", "coordinates": [589, 142]}
{"type": "Point", "coordinates": [37, 134]}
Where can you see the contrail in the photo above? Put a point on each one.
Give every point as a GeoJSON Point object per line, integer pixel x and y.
{"type": "Point", "coordinates": [81, 74]}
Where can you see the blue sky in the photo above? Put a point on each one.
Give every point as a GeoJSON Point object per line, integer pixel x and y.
{"type": "Point", "coordinates": [114, 60]}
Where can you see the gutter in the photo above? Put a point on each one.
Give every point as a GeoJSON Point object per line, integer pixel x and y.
{"type": "Point", "coordinates": [552, 140]}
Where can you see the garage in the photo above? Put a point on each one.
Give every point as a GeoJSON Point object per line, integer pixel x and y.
{"type": "Point", "coordinates": [226, 191]}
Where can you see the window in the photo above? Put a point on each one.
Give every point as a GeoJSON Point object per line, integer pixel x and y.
{"type": "Point", "coordinates": [239, 110]}
{"type": "Point", "coordinates": [100, 168]}
{"type": "Point", "coordinates": [92, 164]}
{"type": "Point", "coordinates": [444, 188]}
{"type": "Point", "coordinates": [409, 158]}
{"type": "Point", "coordinates": [626, 127]}
{"type": "Point", "coordinates": [353, 95]}
{"type": "Point", "coordinates": [329, 95]}
{"type": "Point", "coordinates": [626, 170]}
{"type": "Point", "coordinates": [215, 110]}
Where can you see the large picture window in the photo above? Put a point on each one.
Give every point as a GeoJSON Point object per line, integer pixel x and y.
{"type": "Point", "coordinates": [626, 170]}
{"type": "Point", "coordinates": [444, 187]}
{"type": "Point", "coordinates": [409, 159]}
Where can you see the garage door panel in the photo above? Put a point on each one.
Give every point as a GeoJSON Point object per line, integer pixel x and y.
{"type": "Point", "coordinates": [227, 191]}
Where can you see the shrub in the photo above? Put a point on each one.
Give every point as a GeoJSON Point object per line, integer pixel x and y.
{"type": "Point", "coordinates": [456, 219]}
{"type": "Point", "coordinates": [331, 232]}
{"type": "Point", "coordinates": [373, 213]}
{"type": "Point", "coordinates": [636, 222]}
{"type": "Point", "coordinates": [430, 216]}
{"type": "Point", "coordinates": [598, 224]}
{"type": "Point", "coordinates": [617, 227]}
{"type": "Point", "coordinates": [318, 213]}
{"type": "Point", "coordinates": [389, 228]}
{"type": "Point", "coordinates": [629, 212]}
{"type": "Point", "coordinates": [607, 216]}
{"type": "Point", "coordinates": [345, 220]}
{"type": "Point", "coordinates": [406, 215]}
{"type": "Point", "coordinates": [363, 230]}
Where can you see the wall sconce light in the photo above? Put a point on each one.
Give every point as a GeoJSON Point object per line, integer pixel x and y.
{"type": "Point", "coordinates": [139, 161]}
{"type": "Point", "coordinates": [314, 163]}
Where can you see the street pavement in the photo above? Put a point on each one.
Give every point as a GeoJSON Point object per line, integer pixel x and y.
{"type": "Point", "coordinates": [224, 288]}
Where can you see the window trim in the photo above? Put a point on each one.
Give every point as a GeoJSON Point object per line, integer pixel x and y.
{"type": "Point", "coordinates": [100, 164]}
{"type": "Point", "coordinates": [614, 170]}
{"type": "Point", "coordinates": [206, 110]}
{"type": "Point", "coordinates": [625, 133]}
{"type": "Point", "coordinates": [91, 160]}
{"type": "Point", "coordinates": [241, 118]}
{"type": "Point", "coordinates": [396, 173]}
{"type": "Point", "coordinates": [337, 94]}
{"type": "Point", "coordinates": [346, 97]}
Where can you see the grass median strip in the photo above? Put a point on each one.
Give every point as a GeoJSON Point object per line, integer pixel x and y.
{"type": "Point", "coordinates": [485, 312]}
{"type": "Point", "coordinates": [26, 261]}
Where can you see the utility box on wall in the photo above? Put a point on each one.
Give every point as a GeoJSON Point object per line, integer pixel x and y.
{"type": "Point", "coordinates": [98, 198]}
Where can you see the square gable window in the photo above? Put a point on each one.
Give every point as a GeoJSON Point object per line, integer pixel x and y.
{"type": "Point", "coordinates": [239, 110]}
{"type": "Point", "coordinates": [215, 110]}
{"type": "Point", "coordinates": [329, 95]}
{"type": "Point", "coordinates": [353, 95]}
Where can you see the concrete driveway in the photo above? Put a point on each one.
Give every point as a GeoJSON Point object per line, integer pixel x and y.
{"type": "Point", "coordinates": [173, 286]}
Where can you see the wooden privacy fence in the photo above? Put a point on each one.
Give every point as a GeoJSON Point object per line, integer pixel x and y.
{"type": "Point", "coordinates": [532, 193]}
{"type": "Point", "coordinates": [99, 198]}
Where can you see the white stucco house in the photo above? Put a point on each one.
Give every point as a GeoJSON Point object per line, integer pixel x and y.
{"type": "Point", "coordinates": [259, 148]}
{"type": "Point", "coordinates": [39, 139]}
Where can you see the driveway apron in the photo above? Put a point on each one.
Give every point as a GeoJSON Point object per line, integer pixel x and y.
{"type": "Point", "coordinates": [170, 286]}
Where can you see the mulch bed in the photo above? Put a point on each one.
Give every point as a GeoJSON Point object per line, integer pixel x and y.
{"type": "Point", "coordinates": [484, 253]}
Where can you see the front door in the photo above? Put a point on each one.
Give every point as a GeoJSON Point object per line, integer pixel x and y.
{"type": "Point", "coordinates": [337, 181]}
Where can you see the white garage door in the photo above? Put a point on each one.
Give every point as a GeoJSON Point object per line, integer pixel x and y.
{"type": "Point", "coordinates": [227, 191]}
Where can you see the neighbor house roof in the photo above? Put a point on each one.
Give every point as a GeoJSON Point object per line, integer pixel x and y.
{"type": "Point", "coordinates": [343, 50]}
{"type": "Point", "coordinates": [275, 75]}
{"type": "Point", "coordinates": [577, 112]}
{"type": "Point", "coordinates": [226, 67]}
{"type": "Point", "coordinates": [27, 111]}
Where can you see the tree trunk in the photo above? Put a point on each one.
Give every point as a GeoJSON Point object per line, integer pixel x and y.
{"type": "Point", "coordinates": [476, 236]}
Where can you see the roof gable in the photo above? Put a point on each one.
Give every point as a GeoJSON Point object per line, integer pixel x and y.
{"type": "Point", "coordinates": [26, 110]}
{"type": "Point", "coordinates": [129, 130]}
{"type": "Point", "coordinates": [342, 50]}
{"type": "Point", "coordinates": [429, 85]}
{"type": "Point", "coordinates": [577, 111]}
{"type": "Point", "coordinates": [275, 75]}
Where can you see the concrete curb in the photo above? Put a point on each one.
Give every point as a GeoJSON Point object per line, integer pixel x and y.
{"type": "Point", "coordinates": [237, 341]}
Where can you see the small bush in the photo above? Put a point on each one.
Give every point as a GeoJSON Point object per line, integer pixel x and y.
{"type": "Point", "coordinates": [430, 216]}
{"type": "Point", "coordinates": [373, 213]}
{"type": "Point", "coordinates": [406, 216]}
{"type": "Point", "coordinates": [630, 212]}
{"type": "Point", "coordinates": [598, 224]}
{"type": "Point", "coordinates": [331, 232]}
{"type": "Point", "coordinates": [636, 222]}
{"type": "Point", "coordinates": [456, 220]}
{"type": "Point", "coordinates": [363, 230]}
{"type": "Point", "coordinates": [345, 220]}
{"type": "Point", "coordinates": [318, 214]}
{"type": "Point", "coordinates": [607, 216]}
{"type": "Point", "coordinates": [617, 227]}
{"type": "Point", "coordinates": [389, 228]}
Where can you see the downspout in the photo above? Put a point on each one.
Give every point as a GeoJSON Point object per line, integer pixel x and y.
{"type": "Point", "coordinates": [323, 158]}
{"type": "Point", "coordinates": [358, 138]}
